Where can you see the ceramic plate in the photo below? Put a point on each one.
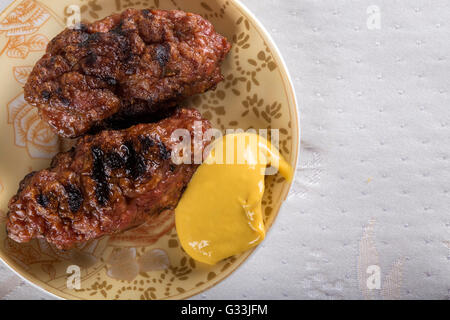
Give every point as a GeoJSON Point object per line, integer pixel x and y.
{"type": "Point", "coordinates": [256, 93]}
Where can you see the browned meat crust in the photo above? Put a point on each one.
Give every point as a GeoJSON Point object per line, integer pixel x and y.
{"type": "Point", "coordinates": [134, 62]}
{"type": "Point", "coordinates": [107, 183]}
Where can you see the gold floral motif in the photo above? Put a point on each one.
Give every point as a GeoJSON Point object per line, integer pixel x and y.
{"type": "Point", "coordinates": [125, 4]}
{"type": "Point", "coordinates": [26, 18]}
{"type": "Point", "coordinates": [51, 261]}
{"type": "Point", "coordinates": [30, 131]}
{"type": "Point", "coordinates": [21, 73]}
{"type": "Point", "coordinates": [21, 46]}
{"type": "Point", "coordinates": [23, 21]}
{"type": "Point", "coordinates": [211, 13]}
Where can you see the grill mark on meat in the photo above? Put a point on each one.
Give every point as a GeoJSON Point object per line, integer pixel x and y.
{"type": "Point", "coordinates": [130, 71]}
{"type": "Point", "coordinates": [87, 38]}
{"type": "Point", "coordinates": [42, 200]}
{"type": "Point", "coordinates": [91, 59]}
{"type": "Point", "coordinates": [111, 81]}
{"type": "Point", "coordinates": [46, 95]}
{"type": "Point", "coordinates": [94, 37]}
{"type": "Point", "coordinates": [74, 197]}
{"type": "Point", "coordinates": [61, 97]}
{"type": "Point", "coordinates": [118, 29]}
{"type": "Point", "coordinates": [114, 160]}
{"type": "Point", "coordinates": [84, 38]}
{"type": "Point", "coordinates": [164, 153]}
{"type": "Point", "coordinates": [135, 162]}
{"type": "Point", "coordinates": [124, 45]}
{"type": "Point", "coordinates": [146, 143]}
{"type": "Point", "coordinates": [147, 14]}
{"type": "Point", "coordinates": [82, 27]}
{"type": "Point", "coordinates": [162, 54]}
{"type": "Point", "coordinates": [99, 176]}
{"type": "Point", "coordinates": [64, 101]}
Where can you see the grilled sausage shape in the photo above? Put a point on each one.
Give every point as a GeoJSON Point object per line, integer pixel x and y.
{"type": "Point", "coordinates": [105, 184]}
{"type": "Point", "coordinates": [126, 65]}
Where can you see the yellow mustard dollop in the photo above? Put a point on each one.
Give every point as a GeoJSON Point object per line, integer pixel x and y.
{"type": "Point", "coordinates": [219, 214]}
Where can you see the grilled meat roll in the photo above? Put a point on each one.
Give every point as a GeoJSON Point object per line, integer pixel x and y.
{"type": "Point", "coordinates": [105, 184]}
{"type": "Point", "coordinates": [125, 65]}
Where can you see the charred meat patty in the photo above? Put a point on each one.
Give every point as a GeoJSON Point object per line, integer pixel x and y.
{"type": "Point", "coordinates": [105, 184]}
{"type": "Point", "coordinates": [125, 65]}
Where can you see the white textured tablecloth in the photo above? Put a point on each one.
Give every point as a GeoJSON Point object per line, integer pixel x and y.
{"type": "Point", "coordinates": [373, 183]}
